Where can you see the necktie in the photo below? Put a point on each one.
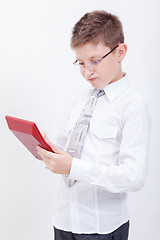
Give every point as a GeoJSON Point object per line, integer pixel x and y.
{"type": "Point", "coordinates": [76, 141]}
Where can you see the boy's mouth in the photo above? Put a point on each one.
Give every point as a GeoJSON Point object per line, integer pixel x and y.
{"type": "Point", "coordinates": [91, 79]}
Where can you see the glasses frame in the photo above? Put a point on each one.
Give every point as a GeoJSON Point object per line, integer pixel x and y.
{"type": "Point", "coordinates": [83, 66]}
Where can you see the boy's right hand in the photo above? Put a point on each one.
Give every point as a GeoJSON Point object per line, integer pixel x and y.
{"type": "Point", "coordinates": [58, 161]}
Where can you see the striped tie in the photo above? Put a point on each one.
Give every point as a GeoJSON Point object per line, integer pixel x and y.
{"type": "Point", "coordinates": [76, 142]}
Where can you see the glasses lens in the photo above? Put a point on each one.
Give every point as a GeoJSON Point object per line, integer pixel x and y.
{"type": "Point", "coordinates": [90, 66]}
{"type": "Point", "coordinates": [80, 64]}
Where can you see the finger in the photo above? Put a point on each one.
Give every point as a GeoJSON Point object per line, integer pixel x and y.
{"type": "Point", "coordinates": [46, 155]}
{"type": "Point", "coordinates": [42, 153]}
{"type": "Point", "coordinates": [46, 138]}
{"type": "Point", "coordinates": [54, 148]}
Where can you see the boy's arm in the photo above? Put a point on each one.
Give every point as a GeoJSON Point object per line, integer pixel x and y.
{"type": "Point", "coordinates": [130, 173]}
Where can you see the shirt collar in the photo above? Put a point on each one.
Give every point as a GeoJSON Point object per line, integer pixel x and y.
{"type": "Point", "coordinates": [113, 90]}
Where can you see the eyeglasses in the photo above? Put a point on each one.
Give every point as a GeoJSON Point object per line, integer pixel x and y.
{"type": "Point", "coordinates": [92, 65]}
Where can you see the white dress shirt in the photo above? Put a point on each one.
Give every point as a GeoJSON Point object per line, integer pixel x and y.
{"type": "Point", "coordinates": [113, 162]}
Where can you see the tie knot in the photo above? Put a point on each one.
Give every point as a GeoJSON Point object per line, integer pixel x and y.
{"type": "Point", "coordinates": [98, 93]}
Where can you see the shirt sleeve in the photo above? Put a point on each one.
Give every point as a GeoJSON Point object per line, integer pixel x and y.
{"type": "Point", "coordinates": [129, 173]}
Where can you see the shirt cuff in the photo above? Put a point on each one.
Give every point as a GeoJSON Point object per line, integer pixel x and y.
{"type": "Point", "coordinates": [80, 170]}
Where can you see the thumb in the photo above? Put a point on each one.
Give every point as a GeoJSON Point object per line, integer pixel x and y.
{"type": "Point", "coordinates": [44, 135]}
{"type": "Point", "coordinates": [56, 149]}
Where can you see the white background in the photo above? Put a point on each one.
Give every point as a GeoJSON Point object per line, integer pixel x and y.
{"type": "Point", "coordinates": [37, 82]}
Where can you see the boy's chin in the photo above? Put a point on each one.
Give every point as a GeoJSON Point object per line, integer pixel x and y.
{"type": "Point", "coordinates": [98, 86]}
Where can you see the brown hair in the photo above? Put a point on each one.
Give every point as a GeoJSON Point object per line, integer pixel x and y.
{"type": "Point", "coordinates": [98, 26]}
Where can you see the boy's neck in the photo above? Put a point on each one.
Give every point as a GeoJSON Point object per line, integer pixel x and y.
{"type": "Point", "coordinates": [119, 76]}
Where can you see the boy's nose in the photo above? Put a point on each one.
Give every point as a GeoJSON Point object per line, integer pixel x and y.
{"type": "Point", "coordinates": [89, 71]}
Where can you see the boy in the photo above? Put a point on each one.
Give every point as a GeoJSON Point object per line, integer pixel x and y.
{"type": "Point", "coordinates": [105, 143]}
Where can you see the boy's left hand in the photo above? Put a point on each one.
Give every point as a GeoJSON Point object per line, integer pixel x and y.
{"type": "Point", "coordinates": [58, 162]}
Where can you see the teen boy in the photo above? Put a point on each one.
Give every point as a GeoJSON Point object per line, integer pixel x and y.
{"type": "Point", "coordinates": [114, 134]}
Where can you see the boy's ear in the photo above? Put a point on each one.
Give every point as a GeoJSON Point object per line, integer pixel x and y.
{"type": "Point", "coordinates": [122, 49]}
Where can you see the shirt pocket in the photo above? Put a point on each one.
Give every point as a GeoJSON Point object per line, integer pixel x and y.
{"type": "Point", "coordinates": [103, 130]}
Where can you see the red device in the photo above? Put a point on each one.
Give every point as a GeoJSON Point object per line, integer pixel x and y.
{"type": "Point", "coordinates": [28, 133]}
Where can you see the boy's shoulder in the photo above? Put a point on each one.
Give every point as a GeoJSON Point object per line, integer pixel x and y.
{"type": "Point", "coordinates": [129, 93]}
{"type": "Point", "coordinates": [133, 96]}
{"type": "Point", "coordinates": [133, 105]}
{"type": "Point", "coordinates": [128, 99]}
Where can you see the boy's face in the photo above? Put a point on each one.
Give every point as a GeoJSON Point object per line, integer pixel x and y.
{"type": "Point", "coordinates": [106, 71]}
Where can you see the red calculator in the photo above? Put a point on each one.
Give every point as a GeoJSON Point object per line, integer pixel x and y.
{"type": "Point", "coordinates": [28, 133]}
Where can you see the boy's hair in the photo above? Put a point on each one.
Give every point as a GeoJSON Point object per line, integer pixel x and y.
{"type": "Point", "coordinates": [98, 26]}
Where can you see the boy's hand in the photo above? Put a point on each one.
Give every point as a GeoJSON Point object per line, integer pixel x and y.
{"type": "Point", "coordinates": [58, 162]}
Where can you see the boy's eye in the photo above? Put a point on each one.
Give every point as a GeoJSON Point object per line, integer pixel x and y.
{"type": "Point", "coordinates": [81, 63]}
{"type": "Point", "coordinates": [95, 62]}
